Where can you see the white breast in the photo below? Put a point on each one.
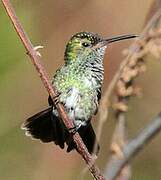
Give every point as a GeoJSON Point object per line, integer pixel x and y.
{"type": "Point", "coordinates": [72, 99]}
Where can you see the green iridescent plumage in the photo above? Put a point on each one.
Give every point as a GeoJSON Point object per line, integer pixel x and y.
{"type": "Point", "coordinates": [76, 82]}
{"type": "Point", "coordinates": [69, 78]}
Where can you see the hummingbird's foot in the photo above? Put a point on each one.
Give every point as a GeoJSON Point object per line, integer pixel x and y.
{"type": "Point", "coordinates": [36, 48]}
{"type": "Point", "coordinates": [56, 98]}
{"type": "Point", "coordinates": [73, 130]}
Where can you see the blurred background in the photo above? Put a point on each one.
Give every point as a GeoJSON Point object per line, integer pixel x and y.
{"type": "Point", "coordinates": [51, 23]}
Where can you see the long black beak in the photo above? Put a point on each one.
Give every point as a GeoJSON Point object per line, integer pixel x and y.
{"type": "Point", "coordinates": [107, 41]}
{"type": "Point", "coordinates": [120, 38]}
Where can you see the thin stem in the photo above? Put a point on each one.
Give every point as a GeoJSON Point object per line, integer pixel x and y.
{"type": "Point", "coordinates": [118, 146]}
{"type": "Point", "coordinates": [105, 100]}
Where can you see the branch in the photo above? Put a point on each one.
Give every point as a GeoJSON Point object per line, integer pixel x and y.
{"type": "Point", "coordinates": [134, 56]}
{"type": "Point", "coordinates": [105, 100]}
{"type": "Point", "coordinates": [155, 6]}
{"type": "Point", "coordinates": [45, 80]}
{"type": "Point", "coordinates": [147, 44]}
{"type": "Point", "coordinates": [133, 148]}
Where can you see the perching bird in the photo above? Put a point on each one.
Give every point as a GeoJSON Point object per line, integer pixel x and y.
{"type": "Point", "coordinates": [78, 83]}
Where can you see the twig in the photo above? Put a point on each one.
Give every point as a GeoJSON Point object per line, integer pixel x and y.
{"type": "Point", "coordinates": [44, 78]}
{"type": "Point", "coordinates": [105, 100]}
{"type": "Point", "coordinates": [148, 43]}
{"type": "Point", "coordinates": [133, 147]}
{"type": "Point", "coordinates": [156, 4]}
{"type": "Point", "coordinates": [133, 52]}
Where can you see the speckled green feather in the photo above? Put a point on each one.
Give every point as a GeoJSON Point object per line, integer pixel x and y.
{"type": "Point", "coordinates": [76, 82]}
{"type": "Point", "coordinates": [68, 78]}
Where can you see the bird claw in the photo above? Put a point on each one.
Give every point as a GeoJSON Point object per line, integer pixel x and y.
{"type": "Point", "coordinates": [73, 130]}
{"type": "Point", "coordinates": [56, 99]}
{"type": "Point", "coordinates": [36, 48]}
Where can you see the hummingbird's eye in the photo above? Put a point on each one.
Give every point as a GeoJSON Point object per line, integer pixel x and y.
{"type": "Point", "coordinates": [85, 44]}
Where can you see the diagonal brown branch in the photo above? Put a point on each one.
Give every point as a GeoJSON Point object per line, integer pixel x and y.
{"type": "Point", "coordinates": [45, 79]}
{"type": "Point", "coordinates": [133, 147]}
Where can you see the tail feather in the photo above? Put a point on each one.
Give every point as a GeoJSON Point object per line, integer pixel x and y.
{"type": "Point", "coordinates": [47, 127]}
{"type": "Point", "coordinates": [89, 138]}
{"type": "Point", "coordinates": [37, 126]}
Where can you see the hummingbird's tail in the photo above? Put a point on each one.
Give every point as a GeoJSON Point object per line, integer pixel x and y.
{"type": "Point", "coordinates": [89, 138]}
{"type": "Point", "coordinates": [47, 127]}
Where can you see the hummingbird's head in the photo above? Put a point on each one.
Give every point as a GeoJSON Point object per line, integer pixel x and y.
{"type": "Point", "coordinates": [83, 45]}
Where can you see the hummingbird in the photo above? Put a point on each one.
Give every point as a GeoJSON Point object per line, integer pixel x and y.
{"type": "Point", "coordinates": [78, 85]}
